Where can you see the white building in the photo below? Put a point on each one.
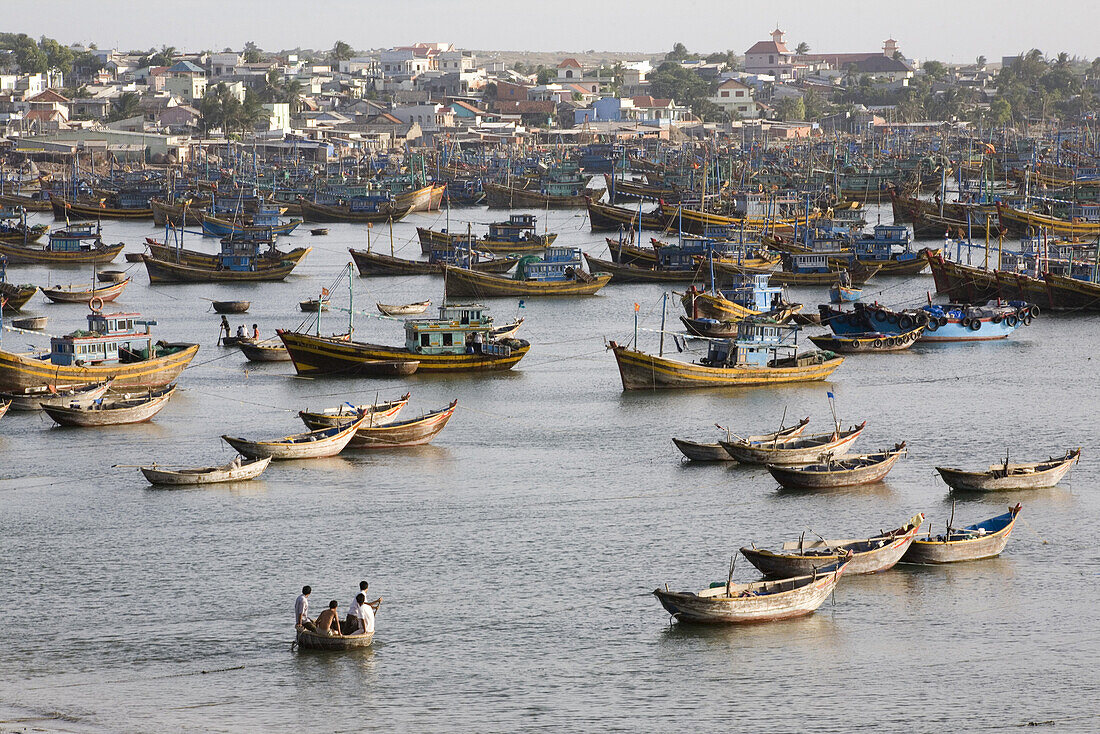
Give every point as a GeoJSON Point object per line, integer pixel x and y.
{"type": "Point", "coordinates": [735, 98]}
{"type": "Point", "coordinates": [771, 57]}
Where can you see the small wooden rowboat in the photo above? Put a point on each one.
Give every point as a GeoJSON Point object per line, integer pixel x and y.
{"type": "Point", "coordinates": [33, 323]}
{"type": "Point", "coordinates": [507, 331]}
{"type": "Point", "coordinates": [32, 398]}
{"type": "Point", "coordinates": [847, 471]}
{"type": "Point", "coordinates": [313, 305]}
{"type": "Point", "coordinates": [408, 309]}
{"type": "Point", "coordinates": [1006, 476]}
{"type": "Point", "coordinates": [260, 352]}
{"type": "Point", "coordinates": [759, 601]}
{"type": "Point", "coordinates": [311, 445]}
{"type": "Point", "coordinates": [868, 342]}
{"type": "Point", "coordinates": [396, 434]}
{"type": "Point", "coordinates": [232, 306]}
{"type": "Point", "coordinates": [695, 451]}
{"type": "Point", "coordinates": [113, 410]}
{"type": "Point", "coordinates": [844, 294]}
{"type": "Point", "coordinates": [310, 640]}
{"type": "Point", "coordinates": [802, 450]}
{"type": "Point", "coordinates": [85, 292]}
{"type": "Point", "coordinates": [984, 539]}
{"type": "Point", "coordinates": [111, 276]}
{"type": "Point", "coordinates": [319, 231]}
{"type": "Point", "coordinates": [235, 471]}
{"type": "Point", "coordinates": [869, 555]}
{"type": "Point", "coordinates": [378, 414]}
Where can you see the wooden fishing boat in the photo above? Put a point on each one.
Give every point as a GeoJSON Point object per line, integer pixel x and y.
{"type": "Point", "coordinates": [319, 231]}
{"type": "Point", "coordinates": [309, 640]}
{"type": "Point", "coordinates": [408, 309]}
{"type": "Point", "coordinates": [868, 342]}
{"type": "Point", "coordinates": [310, 445]}
{"type": "Point", "coordinates": [643, 274]}
{"type": "Point", "coordinates": [511, 197]}
{"type": "Point", "coordinates": [112, 410]}
{"type": "Point", "coordinates": [233, 341]}
{"type": "Point", "coordinates": [459, 340]}
{"type": "Point", "coordinates": [85, 293]}
{"type": "Point", "coordinates": [869, 555]}
{"type": "Point", "coordinates": [31, 323]}
{"type": "Point", "coordinates": [259, 352]}
{"type": "Point", "coordinates": [15, 297]}
{"type": "Point", "coordinates": [608, 218]}
{"type": "Point", "coordinates": [32, 398]}
{"type": "Point", "coordinates": [859, 274]}
{"type": "Point", "coordinates": [759, 601]}
{"type": "Point", "coordinates": [843, 294]}
{"type": "Point", "coordinates": [4, 408]}
{"type": "Point", "coordinates": [845, 471]}
{"type": "Point", "coordinates": [984, 539]}
{"type": "Point", "coordinates": [232, 306]}
{"type": "Point", "coordinates": [641, 371]}
{"type": "Point", "coordinates": [559, 274]}
{"type": "Point", "coordinates": [700, 304]}
{"type": "Point", "coordinates": [377, 414]}
{"type": "Point", "coordinates": [37, 201]}
{"type": "Point", "coordinates": [505, 331]}
{"type": "Point", "coordinates": [1019, 221]}
{"type": "Point", "coordinates": [166, 271]}
{"type": "Point", "coordinates": [234, 471]}
{"type": "Point", "coordinates": [1006, 476]}
{"type": "Point", "coordinates": [314, 305]}
{"type": "Point", "coordinates": [96, 253]}
{"type": "Point", "coordinates": [710, 328]}
{"type": "Point", "coordinates": [121, 352]}
{"type": "Point", "coordinates": [695, 451]}
{"type": "Point", "coordinates": [266, 258]}
{"type": "Point", "coordinates": [394, 434]}
{"type": "Point", "coordinates": [322, 213]}
{"type": "Point", "coordinates": [516, 236]}
{"type": "Point", "coordinates": [71, 209]}
{"type": "Point", "coordinates": [802, 450]}
{"type": "Point", "coordinates": [376, 264]}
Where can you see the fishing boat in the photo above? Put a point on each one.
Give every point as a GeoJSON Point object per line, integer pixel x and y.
{"type": "Point", "coordinates": [517, 235]}
{"type": "Point", "coordinates": [372, 264]}
{"type": "Point", "coordinates": [560, 272]}
{"type": "Point", "coordinates": [377, 414]}
{"type": "Point", "coordinates": [393, 434]}
{"type": "Point", "coordinates": [311, 445]}
{"type": "Point", "coordinates": [1020, 221]}
{"type": "Point", "coordinates": [801, 450]}
{"type": "Point", "coordinates": [239, 262]}
{"type": "Point", "coordinates": [608, 218]}
{"type": "Point", "coordinates": [844, 294]}
{"type": "Point", "coordinates": [511, 197]}
{"type": "Point", "coordinates": [111, 410]}
{"type": "Point", "coordinates": [319, 231]}
{"type": "Point", "coordinates": [764, 353]}
{"type": "Point", "coordinates": [259, 352]}
{"type": "Point", "coordinates": [232, 306]}
{"type": "Point", "coordinates": [354, 210]}
{"type": "Point", "coordinates": [695, 451]}
{"type": "Point", "coordinates": [506, 331]}
{"type": "Point", "coordinates": [1008, 476]}
{"type": "Point", "coordinates": [119, 206]}
{"type": "Point", "coordinates": [408, 309]}
{"type": "Point", "coordinates": [869, 555]}
{"type": "Point", "coordinates": [759, 601]}
{"type": "Point", "coordinates": [86, 293]}
{"type": "Point", "coordinates": [984, 539]}
{"type": "Point", "coordinates": [750, 294]}
{"type": "Point", "coordinates": [113, 346]}
{"type": "Point", "coordinates": [710, 328]}
{"type": "Point", "coordinates": [234, 471]}
{"type": "Point", "coordinates": [844, 471]}
{"type": "Point", "coordinates": [266, 257]}
{"type": "Point", "coordinates": [32, 323]}
{"type": "Point", "coordinates": [4, 408]}
{"type": "Point", "coordinates": [310, 640]}
{"type": "Point", "coordinates": [76, 244]}
{"type": "Point", "coordinates": [13, 297]}
{"type": "Point", "coordinates": [869, 342]}
{"type": "Point", "coordinates": [459, 340]}
{"type": "Point", "coordinates": [32, 398]}
{"type": "Point", "coordinates": [810, 269]}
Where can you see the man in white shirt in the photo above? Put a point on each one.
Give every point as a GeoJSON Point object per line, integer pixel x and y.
{"type": "Point", "coordinates": [301, 608]}
{"type": "Point", "coordinates": [351, 623]}
{"type": "Point", "coordinates": [364, 616]}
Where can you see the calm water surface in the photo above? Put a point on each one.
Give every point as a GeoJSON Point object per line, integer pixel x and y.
{"type": "Point", "coordinates": [516, 553]}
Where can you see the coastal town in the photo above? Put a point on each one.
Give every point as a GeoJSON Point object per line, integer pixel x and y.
{"type": "Point", "coordinates": [440, 388]}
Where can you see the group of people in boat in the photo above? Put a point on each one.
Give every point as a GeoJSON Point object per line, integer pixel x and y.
{"type": "Point", "coordinates": [242, 333]}
{"type": "Point", "coordinates": [358, 621]}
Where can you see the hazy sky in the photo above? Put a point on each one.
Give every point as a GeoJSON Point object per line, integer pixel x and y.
{"type": "Point", "coordinates": [950, 30]}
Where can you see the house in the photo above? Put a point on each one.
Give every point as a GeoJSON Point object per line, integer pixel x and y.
{"type": "Point", "coordinates": [91, 108]}
{"type": "Point", "coordinates": [771, 57]}
{"type": "Point", "coordinates": [430, 117]}
{"type": "Point", "coordinates": [44, 120]}
{"type": "Point", "coordinates": [736, 99]}
{"type": "Point", "coordinates": [887, 63]}
{"type": "Point", "coordinates": [179, 117]}
{"type": "Point", "coordinates": [532, 112]}
{"type": "Point", "coordinates": [224, 64]}
{"type": "Point", "coordinates": [570, 69]}
{"type": "Point", "coordinates": [49, 100]}
{"type": "Point", "coordinates": [661, 111]}
{"type": "Point", "coordinates": [511, 92]}
{"type": "Point", "coordinates": [604, 109]}
{"type": "Point", "coordinates": [186, 81]}
{"type": "Point", "coordinates": [278, 116]}
{"type": "Point", "coordinates": [466, 113]}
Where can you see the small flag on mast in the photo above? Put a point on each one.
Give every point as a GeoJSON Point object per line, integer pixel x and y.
{"type": "Point", "coordinates": [831, 396]}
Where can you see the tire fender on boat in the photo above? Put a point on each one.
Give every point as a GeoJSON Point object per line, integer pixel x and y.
{"type": "Point", "coordinates": [877, 344]}
{"type": "Point", "coordinates": [933, 325]}
{"type": "Point", "coordinates": [975, 324]}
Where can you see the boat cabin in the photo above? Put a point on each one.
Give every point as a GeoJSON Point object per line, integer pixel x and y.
{"type": "Point", "coordinates": [106, 340]}
{"type": "Point", "coordinates": [753, 292]}
{"type": "Point", "coordinates": [518, 228]}
{"type": "Point", "coordinates": [808, 262]}
{"type": "Point", "coordinates": [758, 342]}
{"type": "Point", "coordinates": [556, 264]}
{"type": "Point", "coordinates": [71, 239]}
{"type": "Point", "coordinates": [460, 329]}
{"type": "Point", "coordinates": [880, 245]}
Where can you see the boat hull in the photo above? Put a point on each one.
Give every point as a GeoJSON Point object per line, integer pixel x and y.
{"type": "Point", "coordinates": [18, 372]}
{"type": "Point", "coordinates": [89, 415]}
{"type": "Point", "coordinates": [793, 477]}
{"type": "Point", "coordinates": [987, 482]}
{"type": "Point", "coordinates": [19, 255]}
{"type": "Point", "coordinates": [211, 475]}
{"type": "Point", "coordinates": [798, 602]}
{"type": "Point", "coordinates": [930, 551]}
{"type": "Point", "coordinates": [312, 641]}
{"type": "Point", "coordinates": [785, 565]}
{"type": "Point", "coordinates": [320, 355]}
{"type": "Point", "coordinates": [163, 271]}
{"type": "Point", "coordinates": [472, 284]}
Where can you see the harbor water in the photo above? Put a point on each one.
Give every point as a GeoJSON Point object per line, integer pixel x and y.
{"type": "Point", "coordinates": [517, 553]}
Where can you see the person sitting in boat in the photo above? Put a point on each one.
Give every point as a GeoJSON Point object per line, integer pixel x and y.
{"type": "Point", "coordinates": [240, 332]}
{"type": "Point", "coordinates": [351, 622]}
{"type": "Point", "coordinates": [328, 621]}
{"type": "Point", "coordinates": [364, 615]}
{"type": "Point", "coordinates": [301, 609]}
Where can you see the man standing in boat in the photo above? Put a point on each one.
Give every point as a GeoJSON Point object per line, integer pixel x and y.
{"type": "Point", "coordinates": [225, 327]}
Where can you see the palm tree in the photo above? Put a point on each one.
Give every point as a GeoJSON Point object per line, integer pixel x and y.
{"type": "Point", "coordinates": [1062, 61]}
{"type": "Point", "coordinates": [802, 48]}
{"type": "Point", "coordinates": [292, 95]}
{"type": "Point", "coordinates": [126, 106]}
{"type": "Point", "coordinates": [341, 52]}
